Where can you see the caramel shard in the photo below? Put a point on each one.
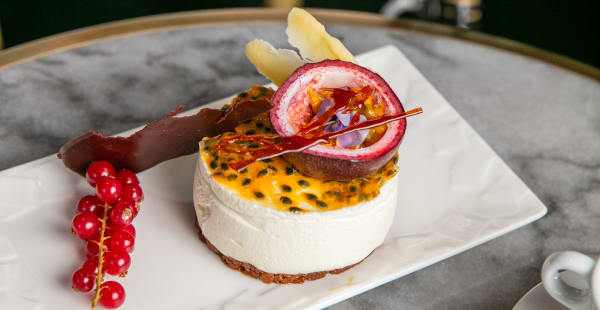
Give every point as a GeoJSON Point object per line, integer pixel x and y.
{"type": "Point", "coordinates": [310, 38]}
{"type": "Point", "coordinates": [274, 64]}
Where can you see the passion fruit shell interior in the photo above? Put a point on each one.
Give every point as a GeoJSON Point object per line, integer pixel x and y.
{"type": "Point", "coordinates": [292, 109]}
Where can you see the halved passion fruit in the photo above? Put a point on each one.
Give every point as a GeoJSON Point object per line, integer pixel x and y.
{"type": "Point", "coordinates": [331, 95]}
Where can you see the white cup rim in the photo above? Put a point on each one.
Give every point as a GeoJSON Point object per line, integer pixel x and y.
{"type": "Point", "coordinates": [585, 266]}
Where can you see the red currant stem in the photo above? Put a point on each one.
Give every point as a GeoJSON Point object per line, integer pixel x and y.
{"type": "Point", "coordinates": [100, 255]}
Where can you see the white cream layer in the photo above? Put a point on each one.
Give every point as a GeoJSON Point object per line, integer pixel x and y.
{"type": "Point", "coordinates": [290, 243]}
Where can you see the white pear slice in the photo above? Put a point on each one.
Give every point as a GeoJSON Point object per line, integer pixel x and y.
{"type": "Point", "coordinates": [274, 64]}
{"type": "Point", "coordinates": [309, 36]}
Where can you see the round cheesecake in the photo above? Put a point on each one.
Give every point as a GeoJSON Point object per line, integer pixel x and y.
{"type": "Point", "coordinates": [271, 220]}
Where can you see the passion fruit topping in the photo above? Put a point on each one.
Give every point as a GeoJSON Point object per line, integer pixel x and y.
{"type": "Point", "coordinates": [329, 96]}
{"type": "Point", "coordinates": [324, 136]}
{"type": "Point", "coordinates": [276, 184]}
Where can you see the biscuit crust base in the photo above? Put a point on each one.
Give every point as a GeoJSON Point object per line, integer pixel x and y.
{"type": "Point", "coordinates": [266, 277]}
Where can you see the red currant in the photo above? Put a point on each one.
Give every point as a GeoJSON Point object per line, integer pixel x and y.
{"type": "Point", "coordinates": [133, 192]}
{"type": "Point", "coordinates": [99, 169]}
{"type": "Point", "coordinates": [85, 225]}
{"type": "Point", "coordinates": [121, 241]}
{"type": "Point", "coordinates": [108, 189]}
{"type": "Point", "coordinates": [136, 209]}
{"type": "Point", "coordinates": [92, 246]}
{"type": "Point", "coordinates": [128, 229]}
{"type": "Point", "coordinates": [82, 281]}
{"type": "Point", "coordinates": [91, 265]}
{"type": "Point", "coordinates": [127, 177]}
{"type": "Point", "coordinates": [116, 262]}
{"type": "Point", "coordinates": [112, 294]}
{"type": "Point", "coordinates": [122, 214]}
{"type": "Point", "coordinates": [92, 204]}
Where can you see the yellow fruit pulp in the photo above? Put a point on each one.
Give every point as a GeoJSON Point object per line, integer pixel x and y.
{"type": "Point", "coordinates": [274, 183]}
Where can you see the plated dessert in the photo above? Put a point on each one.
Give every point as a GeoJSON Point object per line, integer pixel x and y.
{"type": "Point", "coordinates": [290, 184]}
{"type": "Point", "coordinates": [308, 188]}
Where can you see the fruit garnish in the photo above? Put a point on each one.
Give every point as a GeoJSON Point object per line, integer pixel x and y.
{"type": "Point", "coordinates": [104, 222]}
{"type": "Point", "coordinates": [108, 190]}
{"type": "Point", "coordinates": [92, 204]}
{"type": "Point", "coordinates": [123, 212]}
{"type": "Point", "coordinates": [83, 281]}
{"type": "Point", "coordinates": [127, 177]}
{"type": "Point", "coordinates": [116, 262]}
{"type": "Point", "coordinates": [275, 64]}
{"type": "Point", "coordinates": [132, 192]}
{"type": "Point", "coordinates": [121, 241]}
{"type": "Point", "coordinates": [360, 96]}
{"type": "Point", "coordinates": [97, 170]}
{"type": "Point", "coordinates": [85, 225]}
{"type": "Point", "coordinates": [291, 144]}
{"type": "Point", "coordinates": [274, 183]}
{"type": "Point", "coordinates": [308, 36]}
{"type": "Point", "coordinates": [112, 295]}
{"type": "Point", "coordinates": [350, 113]}
{"type": "Point", "coordinates": [303, 107]}
{"type": "Point", "coordinates": [161, 140]}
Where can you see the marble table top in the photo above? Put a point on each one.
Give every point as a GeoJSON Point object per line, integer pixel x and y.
{"type": "Point", "coordinates": [544, 121]}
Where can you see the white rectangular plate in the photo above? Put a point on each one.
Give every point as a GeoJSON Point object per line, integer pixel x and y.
{"type": "Point", "coordinates": [455, 193]}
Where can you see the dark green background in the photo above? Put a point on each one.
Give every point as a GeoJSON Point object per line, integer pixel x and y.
{"type": "Point", "coordinates": [570, 28]}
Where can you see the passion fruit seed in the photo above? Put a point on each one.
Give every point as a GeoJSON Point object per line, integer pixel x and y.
{"type": "Point", "coordinates": [246, 182]}
{"type": "Point", "coordinates": [267, 160]}
{"type": "Point", "coordinates": [286, 188]}
{"type": "Point", "coordinates": [310, 196]}
{"type": "Point", "coordinates": [285, 200]}
{"type": "Point", "coordinates": [289, 170]}
{"type": "Point", "coordinates": [262, 173]}
{"type": "Point", "coordinates": [213, 165]}
{"type": "Point", "coordinates": [260, 124]}
{"type": "Point", "coordinates": [303, 183]}
{"type": "Point", "coordinates": [272, 168]}
{"type": "Point", "coordinates": [232, 177]}
{"type": "Point", "coordinates": [321, 204]}
{"type": "Point", "coordinates": [259, 195]}
{"type": "Point", "coordinates": [244, 171]}
{"type": "Point", "coordinates": [353, 189]}
{"type": "Point", "coordinates": [295, 209]}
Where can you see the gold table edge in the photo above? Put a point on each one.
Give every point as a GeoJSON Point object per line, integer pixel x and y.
{"type": "Point", "coordinates": [202, 18]}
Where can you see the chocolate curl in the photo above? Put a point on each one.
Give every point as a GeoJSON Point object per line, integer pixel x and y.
{"type": "Point", "coordinates": [160, 140]}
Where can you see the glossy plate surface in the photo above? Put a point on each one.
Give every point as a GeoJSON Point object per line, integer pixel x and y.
{"type": "Point", "coordinates": [455, 193]}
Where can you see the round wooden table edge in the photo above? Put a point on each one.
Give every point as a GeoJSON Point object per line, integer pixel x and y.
{"type": "Point", "coordinates": [79, 37]}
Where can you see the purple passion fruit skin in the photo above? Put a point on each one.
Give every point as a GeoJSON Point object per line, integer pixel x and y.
{"type": "Point", "coordinates": [292, 109]}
